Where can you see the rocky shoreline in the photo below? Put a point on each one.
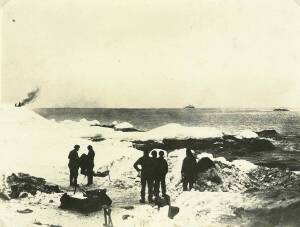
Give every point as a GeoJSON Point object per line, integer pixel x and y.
{"type": "Point", "coordinates": [226, 142]}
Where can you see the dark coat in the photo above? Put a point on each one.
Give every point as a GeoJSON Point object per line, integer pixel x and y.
{"type": "Point", "coordinates": [73, 159]}
{"type": "Point", "coordinates": [162, 167]}
{"type": "Point", "coordinates": [83, 163]}
{"type": "Point", "coordinates": [146, 164]}
{"type": "Point", "coordinates": [90, 159]}
{"type": "Point", "coordinates": [189, 166]}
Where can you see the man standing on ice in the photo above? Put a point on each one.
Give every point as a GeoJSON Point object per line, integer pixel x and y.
{"type": "Point", "coordinates": [90, 164]}
{"type": "Point", "coordinates": [188, 170]}
{"type": "Point", "coordinates": [162, 170]}
{"type": "Point", "coordinates": [145, 171]}
{"type": "Point", "coordinates": [154, 175]}
{"type": "Point", "coordinates": [74, 165]}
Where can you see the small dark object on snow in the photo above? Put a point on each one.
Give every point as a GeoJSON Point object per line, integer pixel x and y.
{"type": "Point", "coordinates": [97, 138]}
{"type": "Point", "coordinates": [161, 202]}
{"type": "Point", "coordinates": [101, 174]}
{"type": "Point", "coordinates": [95, 200]}
{"type": "Point", "coordinates": [128, 207]}
{"type": "Point", "coordinates": [166, 201]}
{"type": "Point", "coordinates": [173, 211]}
{"type": "Point", "coordinates": [26, 211]}
{"type": "Point", "coordinates": [126, 216]}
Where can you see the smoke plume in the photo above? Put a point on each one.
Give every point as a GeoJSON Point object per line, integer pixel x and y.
{"type": "Point", "coordinates": [31, 96]}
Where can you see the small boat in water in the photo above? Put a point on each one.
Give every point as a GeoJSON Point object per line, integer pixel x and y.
{"type": "Point", "coordinates": [189, 107]}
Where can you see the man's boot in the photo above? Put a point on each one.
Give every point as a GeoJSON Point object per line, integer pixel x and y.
{"type": "Point", "coordinates": [142, 200]}
{"type": "Point", "coordinates": [150, 199]}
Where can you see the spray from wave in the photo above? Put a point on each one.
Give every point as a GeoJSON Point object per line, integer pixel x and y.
{"type": "Point", "coordinates": [31, 96]}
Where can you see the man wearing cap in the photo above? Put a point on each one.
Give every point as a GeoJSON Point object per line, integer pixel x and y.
{"type": "Point", "coordinates": [144, 166]}
{"type": "Point", "coordinates": [90, 164]}
{"type": "Point", "coordinates": [188, 170]}
{"type": "Point", "coordinates": [74, 165]}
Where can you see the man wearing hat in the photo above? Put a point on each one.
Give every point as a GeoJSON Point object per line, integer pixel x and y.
{"type": "Point", "coordinates": [74, 165]}
{"type": "Point", "coordinates": [144, 166]}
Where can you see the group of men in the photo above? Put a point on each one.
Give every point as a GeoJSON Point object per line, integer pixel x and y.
{"type": "Point", "coordinates": [152, 171]}
{"type": "Point", "coordinates": [84, 162]}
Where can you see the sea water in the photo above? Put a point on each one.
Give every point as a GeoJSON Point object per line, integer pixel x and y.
{"type": "Point", "coordinates": [287, 123]}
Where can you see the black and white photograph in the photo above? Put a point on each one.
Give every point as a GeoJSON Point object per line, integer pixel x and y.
{"type": "Point", "coordinates": [146, 113]}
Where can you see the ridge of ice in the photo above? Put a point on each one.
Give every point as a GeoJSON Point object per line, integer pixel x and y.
{"type": "Point", "coordinates": [246, 134]}
{"type": "Point", "coordinates": [123, 125]}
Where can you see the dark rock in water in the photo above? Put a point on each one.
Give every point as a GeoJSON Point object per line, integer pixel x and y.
{"type": "Point", "coordinates": [148, 145]}
{"type": "Point", "coordinates": [259, 145]}
{"type": "Point", "coordinates": [128, 130]}
{"type": "Point", "coordinates": [227, 142]}
{"type": "Point", "coordinates": [26, 211]}
{"type": "Point", "coordinates": [173, 144]}
{"type": "Point", "coordinates": [26, 183]}
{"type": "Point", "coordinates": [269, 133]}
{"type": "Point", "coordinates": [103, 125]}
{"type": "Point", "coordinates": [273, 164]}
{"type": "Point", "coordinates": [120, 129]}
{"type": "Point", "coordinates": [94, 201]}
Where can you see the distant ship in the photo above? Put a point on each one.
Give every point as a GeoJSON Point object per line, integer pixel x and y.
{"type": "Point", "coordinates": [189, 107]}
{"type": "Point", "coordinates": [280, 109]}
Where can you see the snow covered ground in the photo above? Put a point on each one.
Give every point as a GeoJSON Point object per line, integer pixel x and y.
{"type": "Point", "coordinates": [31, 144]}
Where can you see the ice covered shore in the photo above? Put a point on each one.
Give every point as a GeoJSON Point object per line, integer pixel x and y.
{"type": "Point", "coordinates": [34, 145]}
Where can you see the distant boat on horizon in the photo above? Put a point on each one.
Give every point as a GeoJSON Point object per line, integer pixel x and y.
{"type": "Point", "coordinates": [280, 109]}
{"type": "Point", "coordinates": [189, 107]}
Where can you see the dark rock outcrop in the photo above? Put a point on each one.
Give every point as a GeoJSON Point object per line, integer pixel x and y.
{"type": "Point", "coordinates": [103, 125]}
{"type": "Point", "coordinates": [268, 133]}
{"type": "Point", "coordinates": [97, 138]}
{"type": "Point", "coordinates": [117, 129]}
{"type": "Point", "coordinates": [148, 145]}
{"type": "Point", "coordinates": [227, 142]}
{"type": "Point", "coordinates": [25, 183]}
{"type": "Point", "coordinates": [128, 130]}
{"type": "Point", "coordinates": [204, 164]}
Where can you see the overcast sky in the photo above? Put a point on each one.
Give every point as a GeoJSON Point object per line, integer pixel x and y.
{"type": "Point", "coordinates": [158, 53]}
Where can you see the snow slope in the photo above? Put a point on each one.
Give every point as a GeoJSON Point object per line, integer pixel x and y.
{"type": "Point", "coordinates": [34, 145]}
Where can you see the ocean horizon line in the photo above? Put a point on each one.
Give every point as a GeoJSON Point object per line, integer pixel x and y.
{"type": "Point", "coordinates": [175, 108]}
